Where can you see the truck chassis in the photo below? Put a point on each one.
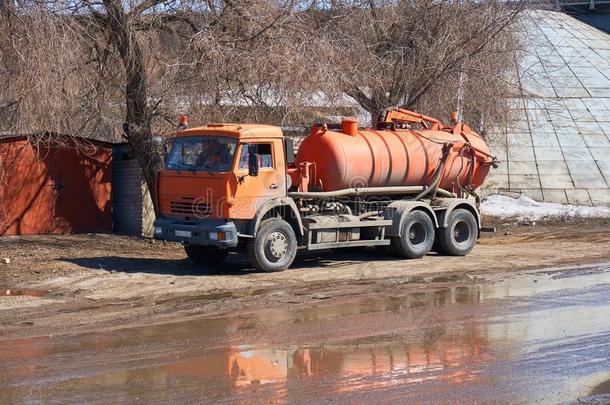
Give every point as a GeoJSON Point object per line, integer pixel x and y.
{"type": "Point", "coordinates": [408, 228]}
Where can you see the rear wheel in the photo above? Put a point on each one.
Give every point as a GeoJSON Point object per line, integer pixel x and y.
{"type": "Point", "coordinates": [460, 235]}
{"type": "Point", "coordinates": [274, 247]}
{"type": "Point", "coordinates": [417, 236]}
{"type": "Point", "coordinates": [205, 255]}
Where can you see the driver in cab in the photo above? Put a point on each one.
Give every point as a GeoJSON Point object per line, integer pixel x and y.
{"type": "Point", "coordinates": [214, 156]}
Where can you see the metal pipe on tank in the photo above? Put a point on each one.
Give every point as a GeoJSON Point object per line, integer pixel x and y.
{"type": "Point", "coordinates": [349, 126]}
{"type": "Point", "coordinates": [358, 191]}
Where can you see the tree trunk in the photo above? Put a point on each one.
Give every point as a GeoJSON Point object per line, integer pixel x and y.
{"type": "Point", "coordinates": [379, 102]}
{"type": "Point", "coordinates": [138, 113]}
{"type": "Point", "coordinates": [374, 104]}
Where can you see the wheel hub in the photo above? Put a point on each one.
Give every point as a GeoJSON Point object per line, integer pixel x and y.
{"type": "Point", "coordinates": [461, 232]}
{"type": "Point", "coordinates": [417, 234]}
{"type": "Point", "coordinates": [278, 244]}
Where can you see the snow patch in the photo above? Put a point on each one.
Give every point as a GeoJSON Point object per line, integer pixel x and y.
{"type": "Point", "coordinates": [524, 208]}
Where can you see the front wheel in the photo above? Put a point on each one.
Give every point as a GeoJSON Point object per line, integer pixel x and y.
{"type": "Point", "coordinates": [417, 236]}
{"type": "Point", "coordinates": [274, 247]}
{"type": "Point", "coordinates": [460, 235]}
{"type": "Point", "coordinates": [205, 255]}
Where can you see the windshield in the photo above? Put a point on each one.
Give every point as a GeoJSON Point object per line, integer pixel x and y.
{"type": "Point", "coordinates": [207, 153]}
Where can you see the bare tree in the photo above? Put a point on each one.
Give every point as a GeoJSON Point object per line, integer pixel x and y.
{"type": "Point", "coordinates": [76, 60]}
{"type": "Point", "coordinates": [81, 65]}
{"type": "Point", "coordinates": [90, 66]}
{"type": "Point", "coordinates": [413, 53]}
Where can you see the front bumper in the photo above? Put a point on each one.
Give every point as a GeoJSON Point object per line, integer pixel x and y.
{"type": "Point", "coordinates": [201, 232]}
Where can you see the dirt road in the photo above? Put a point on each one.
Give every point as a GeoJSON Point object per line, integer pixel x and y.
{"type": "Point", "coordinates": [542, 336]}
{"type": "Point", "coordinates": [69, 284]}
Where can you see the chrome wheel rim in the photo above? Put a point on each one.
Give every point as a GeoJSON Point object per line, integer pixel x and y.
{"type": "Point", "coordinates": [276, 246]}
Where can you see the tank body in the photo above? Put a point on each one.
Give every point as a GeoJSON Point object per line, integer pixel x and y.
{"type": "Point", "coordinates": [383, 158]}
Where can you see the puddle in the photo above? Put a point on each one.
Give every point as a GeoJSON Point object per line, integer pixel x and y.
{"type": "Point", "coordinates": [518, 340]}
{"type": "Point", "coordinates": [15, 292]}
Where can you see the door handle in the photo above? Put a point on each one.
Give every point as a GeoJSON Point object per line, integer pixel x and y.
{"type": "Point", "coordinates": [273, 186]}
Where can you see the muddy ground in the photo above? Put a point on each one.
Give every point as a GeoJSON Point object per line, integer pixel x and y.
{"type": "Point", "coordinates": [536, 338]}
{"type": "Point", "coordinates": [66, 284]}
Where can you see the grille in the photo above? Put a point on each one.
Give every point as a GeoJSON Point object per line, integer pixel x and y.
{"type": "Point", "coordinates": [190, 208]}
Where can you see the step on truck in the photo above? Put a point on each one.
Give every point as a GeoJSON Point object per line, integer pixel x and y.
{"type": "Point", "coordinates": [408, 185]}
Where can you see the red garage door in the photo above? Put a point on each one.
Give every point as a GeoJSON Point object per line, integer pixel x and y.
{"type": "Point", "coordinates": [53, 189]}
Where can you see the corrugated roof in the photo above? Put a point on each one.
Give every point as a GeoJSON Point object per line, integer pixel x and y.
{"type": "Point", "coordinates": [57, 138]}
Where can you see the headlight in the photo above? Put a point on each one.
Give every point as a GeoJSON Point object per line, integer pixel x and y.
{"type": "Point", "coordinates": [158, 230]}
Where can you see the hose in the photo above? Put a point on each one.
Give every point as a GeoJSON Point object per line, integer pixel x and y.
{"type": "Point", "coordinates": [444, 193]}
{"type": "Point", "coordinates": [467, 188]}
{"type": "Point", "coordinates": [433, 188]}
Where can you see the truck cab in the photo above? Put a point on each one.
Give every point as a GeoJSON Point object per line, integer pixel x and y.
{"type": "Point", "coordinates": [216, 179]}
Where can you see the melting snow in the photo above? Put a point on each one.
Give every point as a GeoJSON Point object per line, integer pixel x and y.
{"type": "Point", "coordinates": [526, 208]}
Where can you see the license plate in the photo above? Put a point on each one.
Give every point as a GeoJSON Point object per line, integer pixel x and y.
{"type": "Point", "coordinates": [184, 234]}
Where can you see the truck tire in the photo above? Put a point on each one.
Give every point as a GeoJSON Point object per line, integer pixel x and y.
{"type": "Point", "coordinates": [274, 247]}
{"type": "Point", "coordinates": [205, 255]}
{"type": "Point", "coordinates": [417, 236]}
{"type": "Point", "coordinates": [460, 235]}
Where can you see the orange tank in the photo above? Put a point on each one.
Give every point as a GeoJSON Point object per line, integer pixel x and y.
{"type": "Point", "coordinates": [394, 157]}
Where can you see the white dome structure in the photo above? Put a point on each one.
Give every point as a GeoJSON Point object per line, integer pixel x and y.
{"type": "Point", "coordinates": [556, 145]}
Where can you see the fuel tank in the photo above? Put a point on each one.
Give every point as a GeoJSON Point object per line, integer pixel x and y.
{"type": "Point", "coordinates": [353, 157]}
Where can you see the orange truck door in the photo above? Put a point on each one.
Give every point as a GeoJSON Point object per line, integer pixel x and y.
{"type": "Point", "coordinates": [253, 192]}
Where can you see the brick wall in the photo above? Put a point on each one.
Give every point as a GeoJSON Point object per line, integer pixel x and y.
{"type": "Point", "coordinates": [127, 197]}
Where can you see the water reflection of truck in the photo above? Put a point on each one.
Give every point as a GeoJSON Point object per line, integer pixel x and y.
{"type": "Point", "coordinates": [342, 367]}
{"type": "Point", "coordinates": [404, 185]}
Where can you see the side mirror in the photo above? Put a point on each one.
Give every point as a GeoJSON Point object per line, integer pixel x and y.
{"type": "Point", "coordinates": [253, 165]}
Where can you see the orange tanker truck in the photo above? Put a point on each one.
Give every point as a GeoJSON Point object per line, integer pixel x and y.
{"type": "Point", "coordinates": [408, 184]}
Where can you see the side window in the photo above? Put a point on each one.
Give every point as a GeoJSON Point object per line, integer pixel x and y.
{"type": "Point", "coordinates": [265, 156]}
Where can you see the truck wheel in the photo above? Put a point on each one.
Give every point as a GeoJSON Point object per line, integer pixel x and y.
{"type": "Point", "coordinates": [205, 255]}
{"type": "Point", "coordinates": [274, 247]}
{"type": "Point", "coordinates": [417, 236]}
{"type": "Point", "coordinates": [460, 235]}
